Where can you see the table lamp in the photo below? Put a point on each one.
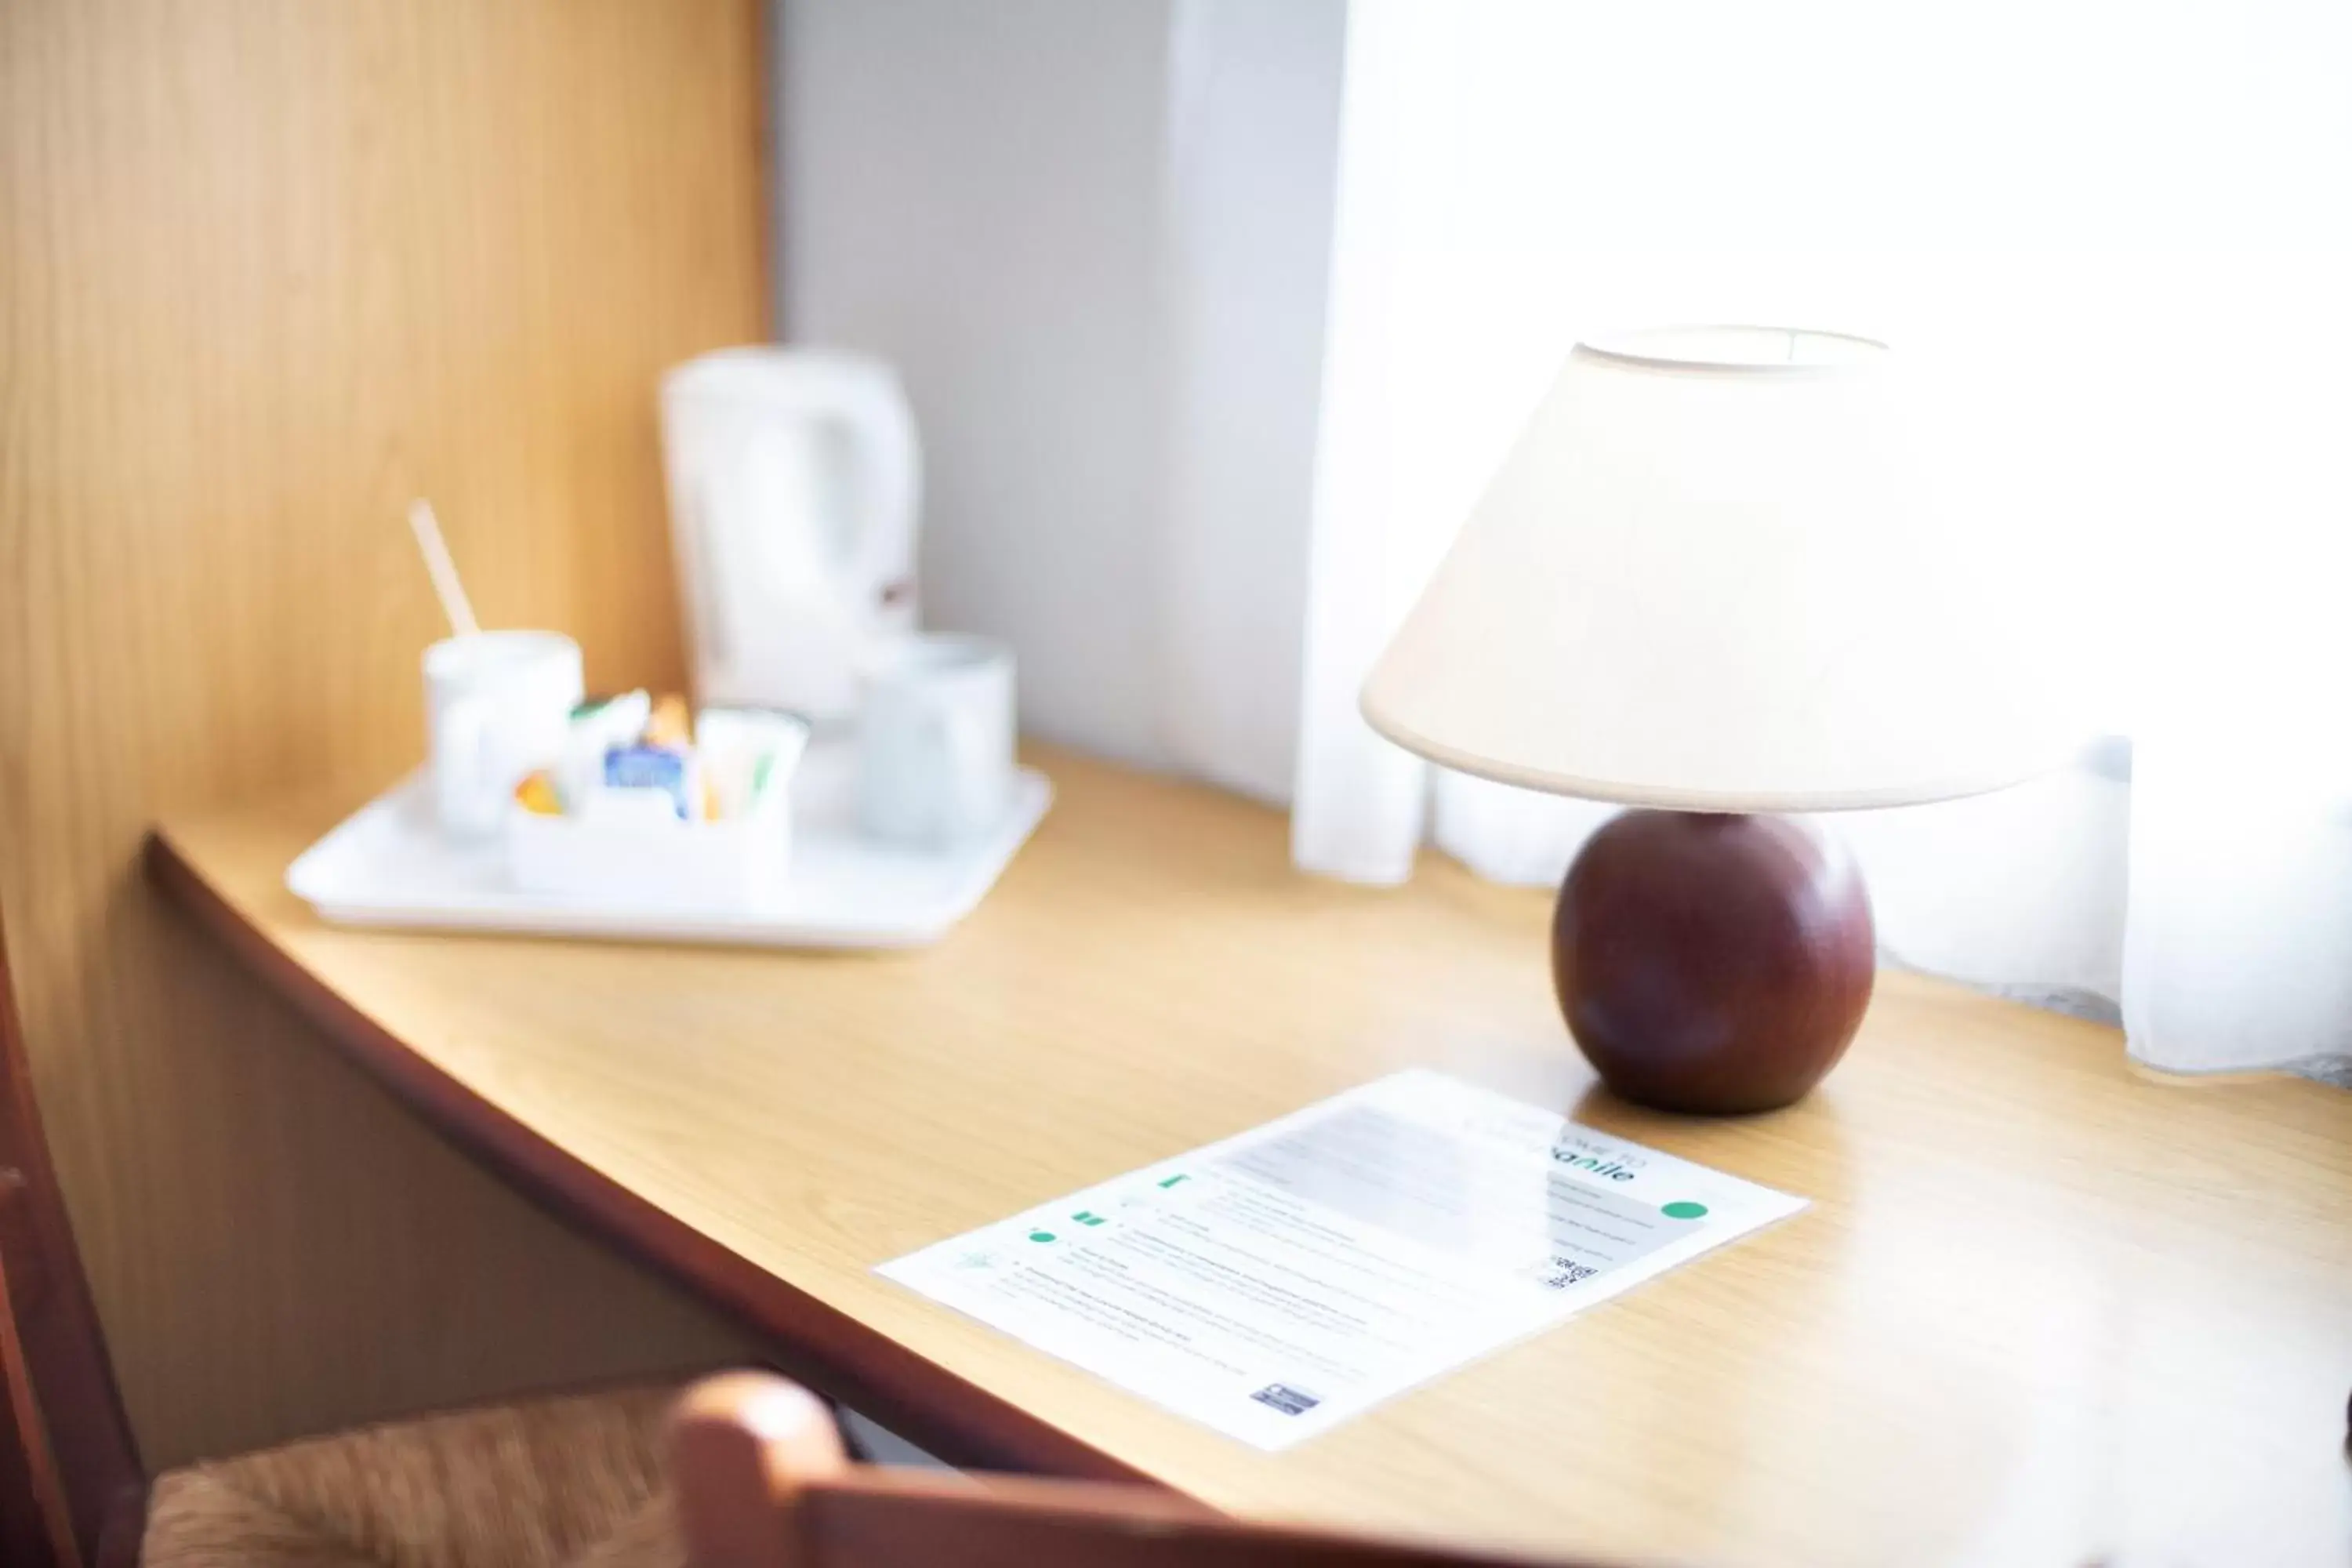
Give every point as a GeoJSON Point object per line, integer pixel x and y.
{"type": "Point", "coordinates": [1710, 582]}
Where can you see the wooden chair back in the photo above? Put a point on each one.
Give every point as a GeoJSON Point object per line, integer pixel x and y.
{"type": "Point", "coordinates": [761, 1481]}
{"type": "Point", "coordinates": [71, 1489]}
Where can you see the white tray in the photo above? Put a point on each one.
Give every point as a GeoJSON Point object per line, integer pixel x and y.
{"type": "Point", "coordinates": [389, 865]}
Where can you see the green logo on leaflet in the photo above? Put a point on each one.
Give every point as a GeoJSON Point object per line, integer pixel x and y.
{"type": "Point", "coordinates": [1041, 1235]}
{"type": "Point", "coordinates": [1684, 1210]}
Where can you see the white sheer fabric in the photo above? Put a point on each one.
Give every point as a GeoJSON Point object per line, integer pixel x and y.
{"type": "Point", "coordinates": [2118, 236]}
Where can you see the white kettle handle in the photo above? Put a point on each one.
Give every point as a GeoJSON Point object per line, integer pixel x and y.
{"type": "Point", "coordinates": [887, 461]}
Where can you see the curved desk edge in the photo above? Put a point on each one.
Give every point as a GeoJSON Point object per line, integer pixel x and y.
{"type": "Point", "coordinates": [822, 1346]}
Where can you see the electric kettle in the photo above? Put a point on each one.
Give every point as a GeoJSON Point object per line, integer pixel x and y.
{"type": "Point", "coordinates": [794, 475]}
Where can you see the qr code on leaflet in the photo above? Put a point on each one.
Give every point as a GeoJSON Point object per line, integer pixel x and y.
{"type": "Point", "coordinates": [1288, 1400]}
{"type": "Point", "coordinates": [1561, 1273]}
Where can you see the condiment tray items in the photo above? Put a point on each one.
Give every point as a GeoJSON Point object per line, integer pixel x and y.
{"type": "Point", "coordinates": [826, 886]}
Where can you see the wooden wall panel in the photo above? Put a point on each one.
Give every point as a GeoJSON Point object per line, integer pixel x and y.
{"type": "Point", "coordinates": [267, 270]}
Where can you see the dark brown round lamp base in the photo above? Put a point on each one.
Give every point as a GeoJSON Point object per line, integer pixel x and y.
{"type": "Point", "coordinates": [1712, 964]}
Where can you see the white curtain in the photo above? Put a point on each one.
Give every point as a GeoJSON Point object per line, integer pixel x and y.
{"type": "Point", "coordinates": [2118, 236]}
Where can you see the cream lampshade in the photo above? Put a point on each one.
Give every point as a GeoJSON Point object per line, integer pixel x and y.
{"type": "Point", "coordinates": [1711, 577]}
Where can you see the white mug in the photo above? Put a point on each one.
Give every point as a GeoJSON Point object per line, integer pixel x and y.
{"type": "Point", "coordinates": [497, 705]}
{"type": "Point", "coordinates": [934, 741]}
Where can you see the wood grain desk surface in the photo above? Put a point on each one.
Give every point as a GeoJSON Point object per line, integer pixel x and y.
{"type": "Point", "coordinates": [2044, 1307]}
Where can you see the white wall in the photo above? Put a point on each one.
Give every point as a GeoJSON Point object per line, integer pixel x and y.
{"type": "Point", "coordinates": [1092, 235]}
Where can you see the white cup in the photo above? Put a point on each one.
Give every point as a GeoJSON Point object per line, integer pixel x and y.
{"type": "Point", "coordinates": [934, 741]}
{"type": "Point", "coordinates": [495, 705]}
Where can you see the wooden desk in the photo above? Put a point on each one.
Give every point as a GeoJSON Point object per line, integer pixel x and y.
{"type": "Point", "coordinates": [2045, 1310]}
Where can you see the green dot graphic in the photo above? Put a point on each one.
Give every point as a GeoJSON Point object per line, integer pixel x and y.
{"type": "Point", "coordinates": [1684, 1210]}
{"type": "Point", "coordinates": [1041, 1235]}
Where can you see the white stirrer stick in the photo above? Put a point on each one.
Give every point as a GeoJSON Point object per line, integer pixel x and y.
{"type": "Point", "coordinates": [444, 570]}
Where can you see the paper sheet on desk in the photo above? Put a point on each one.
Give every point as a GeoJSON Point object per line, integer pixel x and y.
{"type": "Point", "coordinates": [1274, 1284]}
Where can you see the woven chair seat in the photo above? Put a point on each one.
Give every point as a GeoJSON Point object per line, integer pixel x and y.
{"type": "Point", "coordinates": [568, 1482]}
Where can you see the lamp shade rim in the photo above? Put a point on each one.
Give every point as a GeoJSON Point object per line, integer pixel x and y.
{"type": "Point", "coordinates": [1617, 792]}
{"type": "Point", "coordinates": [1740, 349]}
